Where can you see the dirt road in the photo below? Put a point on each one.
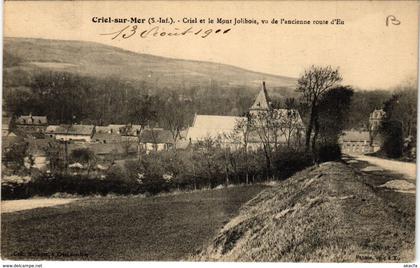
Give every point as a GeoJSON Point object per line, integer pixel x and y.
{"type": "Point", "coordinates": [404, 168]}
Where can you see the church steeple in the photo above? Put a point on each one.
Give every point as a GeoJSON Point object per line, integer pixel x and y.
{"type": "Point", "coordinates": [262, 102]}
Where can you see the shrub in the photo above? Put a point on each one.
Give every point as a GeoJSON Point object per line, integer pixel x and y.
{"type": "Point", "coordinates": [328, 152]}
{"type": "Point", "coordinates": [288, 162]}
{"type": "Point", "coordinates": [392, 134]}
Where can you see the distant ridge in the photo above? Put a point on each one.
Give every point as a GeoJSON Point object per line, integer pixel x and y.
{"type": "Point", "coordinates": [99, 60]}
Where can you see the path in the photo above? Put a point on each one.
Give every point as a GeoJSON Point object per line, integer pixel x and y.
{"type": "Point", "coordinates": [25, 204]}
{"type": "Point", "coordinates": [404, 168]}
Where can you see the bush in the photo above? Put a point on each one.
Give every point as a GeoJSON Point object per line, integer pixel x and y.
{"type": "Point", "coordinates": [286, 163]}
{"type": "Point", "coordinates": [328, 152]}
{"type": "Point", "coordinates": [165, 171]}
{"type": "Point", "coordinates": [392, 134]}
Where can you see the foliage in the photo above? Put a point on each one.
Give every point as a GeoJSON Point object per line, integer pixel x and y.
{"type": "Point", "coordinates": [313, 84]}
{"type": "Point", "coordinates": [392, 135]}
{"type": "Point", "coordinates": [14, 155]}
{"type": "Point", "coordinates": [328, 152]}
{"type": "Point", "coordinates": [402, 106]}
{"type": "Point", "coordinates": [72, 98]}
{"type": "Point", "coordinates": [334, 113]}
{"type": "Point", "coordinates": [84, 156]}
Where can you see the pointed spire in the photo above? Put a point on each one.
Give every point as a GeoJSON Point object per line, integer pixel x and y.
{"type": "Point", "coordinates": [262, 102]}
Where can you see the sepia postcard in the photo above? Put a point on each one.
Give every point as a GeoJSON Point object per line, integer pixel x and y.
{"type": "Point", "coordinates": [209, 131]}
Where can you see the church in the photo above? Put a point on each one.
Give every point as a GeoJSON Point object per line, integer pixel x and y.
{"type": "Point", "coordinates": [224, 128]}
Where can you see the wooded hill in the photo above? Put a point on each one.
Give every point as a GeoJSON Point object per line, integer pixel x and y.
{"type": "Point", "coordinates": [88, 82]}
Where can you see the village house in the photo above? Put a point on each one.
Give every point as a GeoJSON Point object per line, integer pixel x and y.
{"type": "Point", "coordinates": [355, 142]}
{"type": "Point", "coordinates": [75, 133]}
{"type": "Point", "coordinates": [156, 139]}
{"type": "Point", "coordinates": [30, 124]}
{"type": "Point", "coordinates": [222, 128]}
{"type": "Point", "coordinates": [363, 142]}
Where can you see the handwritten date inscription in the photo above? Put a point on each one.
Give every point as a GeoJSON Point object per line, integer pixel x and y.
{"type": "Point", "coordinates": [156, 31]}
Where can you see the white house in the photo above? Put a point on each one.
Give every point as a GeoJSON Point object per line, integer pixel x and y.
{"type": "Point", "coordinates": [77, 133]}
{"type": "Point", "coordinates": [222, 128]}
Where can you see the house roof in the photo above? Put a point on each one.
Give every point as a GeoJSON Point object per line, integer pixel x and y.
{"type": "Point", "coordinates": [70, 129]}
{"type": "Point", "coordinates": [31, 120]}
{"type": "Point", "coordinates": [156, 136]}
{"type": "Point", "coordinates": [216, 121]}
{"type": "Point", "coordinates": [354, 135]}
{"type": "Point", "coordinates": [81, 129]}
{"type": "Point", "coordinates": [212, 126]}
{"type": "Point", "coordinates": [262, 102]}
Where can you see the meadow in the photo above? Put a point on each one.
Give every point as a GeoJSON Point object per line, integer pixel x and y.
{"type": "Point", "coordinates": [166, 227]}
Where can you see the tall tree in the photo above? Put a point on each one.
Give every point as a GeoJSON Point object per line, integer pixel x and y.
{"type": "Point", "coordinates": [312, 85]}
{"type": "Point", "coordinates": [334, 113]}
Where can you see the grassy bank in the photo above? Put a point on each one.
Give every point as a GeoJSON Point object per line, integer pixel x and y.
{"type": "Point", "coordinates": [168, 227]}
{"type": "Point", "coordinates": [324, 214]}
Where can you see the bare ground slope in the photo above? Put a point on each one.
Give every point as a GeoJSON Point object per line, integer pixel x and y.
{"type": "Point", "coordinates": [323, 214]}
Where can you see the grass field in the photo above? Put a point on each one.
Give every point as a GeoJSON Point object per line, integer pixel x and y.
{"type": "Point", "coordinates": [168, 227]}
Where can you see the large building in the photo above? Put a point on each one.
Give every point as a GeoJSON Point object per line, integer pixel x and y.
{"type": "Point", "coordinates": [225, 129]}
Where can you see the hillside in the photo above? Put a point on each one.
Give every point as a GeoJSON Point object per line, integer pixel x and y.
{"type": "Point", "coordinates": [93, 59]}
{"type": "Point", "coordinates": [324, 214]}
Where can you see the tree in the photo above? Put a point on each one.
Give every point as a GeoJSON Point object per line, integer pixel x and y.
{"type": "Point", "coordinates": [291, 126]}
{"type": "Point", "coordinates": [269, 127]}
{"type": "Point", "coordinates": [392, 134]}
{"type": "Point", "coordinates": [402, 106]}
{"type": "Point", "coordinates": [312, 85]}
{"type": "Point", "coordinates": [84, 156]}
{"type": "Point", "coordinates": [334, 110]}
{"type": "Point", "coordinates": [15, 155]}
{"type": "Point", "coordinates": [53, 154]}
{"type": "Point", "coordinates": [175, 116]}
{"type": "Point", "coordinates": [241, 133]}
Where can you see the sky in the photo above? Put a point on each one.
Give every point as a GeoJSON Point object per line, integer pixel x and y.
{"type": "Point", "coordinates": [369, 53]}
